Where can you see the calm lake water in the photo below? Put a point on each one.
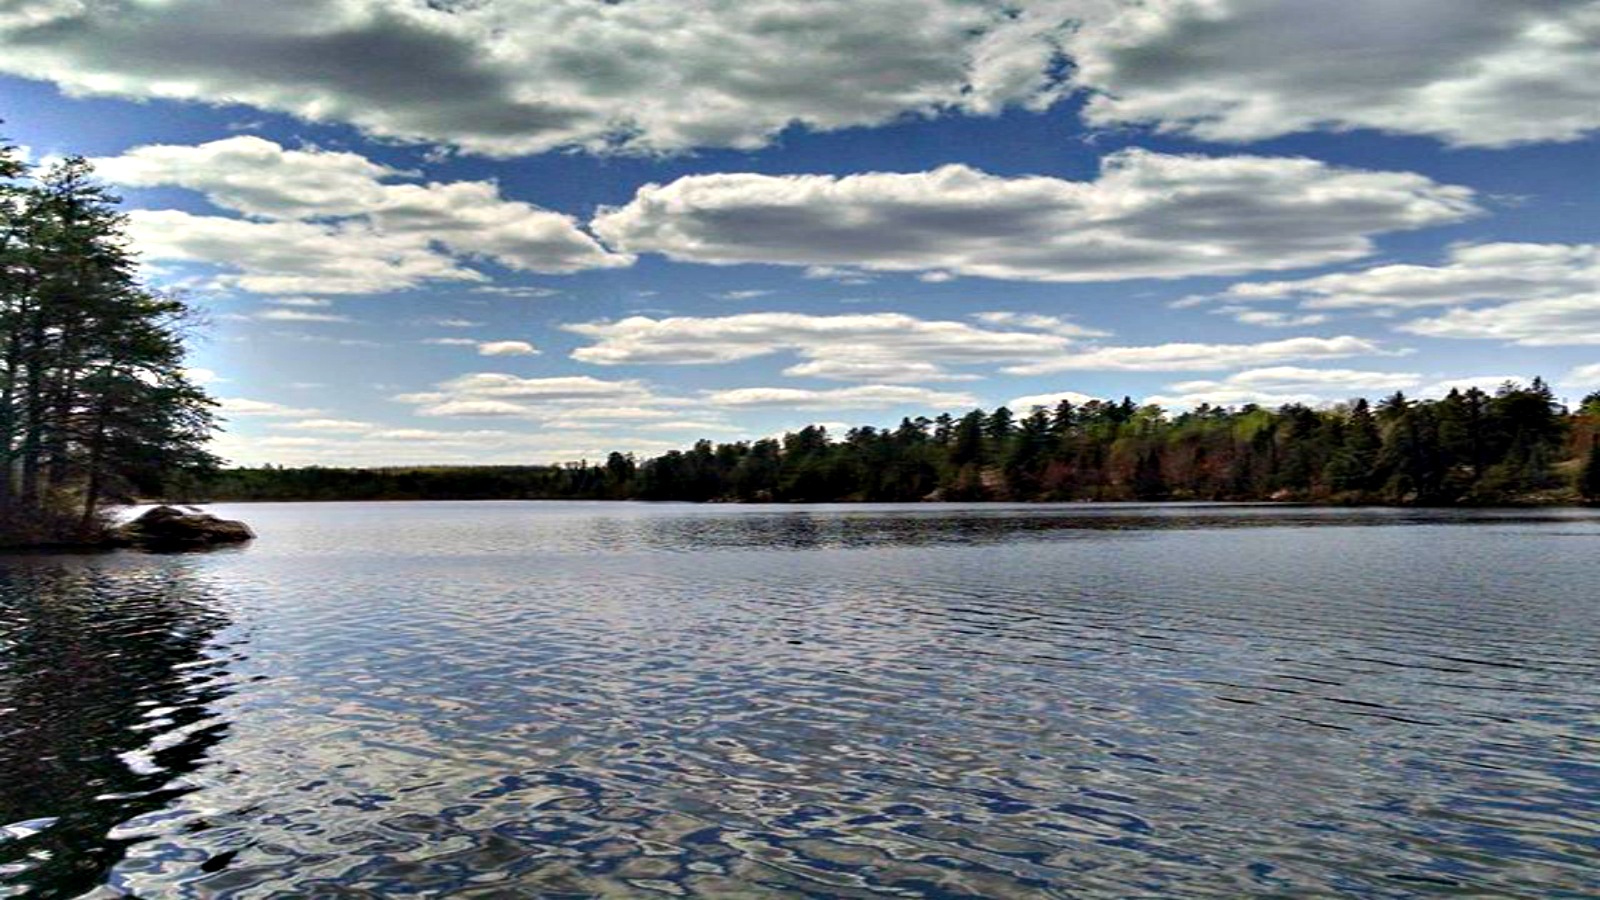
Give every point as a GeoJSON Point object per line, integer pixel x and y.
{"type": "Point", "coordinates": [621, 700]}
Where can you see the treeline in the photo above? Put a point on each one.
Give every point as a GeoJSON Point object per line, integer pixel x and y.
{"type": "Point", "coordinates": [94, 402]}
{"type": "Point", "coordinates": [1516, 445]}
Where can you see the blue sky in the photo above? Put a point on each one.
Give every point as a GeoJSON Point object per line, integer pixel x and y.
{"type": "Point", "coordinates": [510, 231]}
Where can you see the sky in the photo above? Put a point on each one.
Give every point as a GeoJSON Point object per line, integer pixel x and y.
{"type": "Point", "coordinates": [528, 231]}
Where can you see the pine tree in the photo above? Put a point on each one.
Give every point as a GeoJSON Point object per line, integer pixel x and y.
{"type": "Point", "coordinates": [94, 400]}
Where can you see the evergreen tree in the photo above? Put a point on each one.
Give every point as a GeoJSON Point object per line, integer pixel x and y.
{"type": "Point", "coordinates": [94, 401]}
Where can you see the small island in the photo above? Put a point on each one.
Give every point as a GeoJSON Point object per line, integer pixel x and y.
{"type": "Point", "coordinates": [96, 405]}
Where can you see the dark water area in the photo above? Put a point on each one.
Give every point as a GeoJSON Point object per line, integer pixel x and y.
{"type": "Point", "coordinates": [627, 700]}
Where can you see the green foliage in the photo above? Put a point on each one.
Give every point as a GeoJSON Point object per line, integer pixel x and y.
{"type": "Point", "coordinates": [1589, 475]}
{"type": "Point", "coordinates": [94, 402]}
{"type": "Point", "coordinates": [1466, 448]}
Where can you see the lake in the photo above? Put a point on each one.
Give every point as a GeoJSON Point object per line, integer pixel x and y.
{"type": "Point", "coordinates": [631, 700]}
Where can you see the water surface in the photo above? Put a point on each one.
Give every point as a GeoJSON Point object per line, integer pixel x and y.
{"type": "Point", "coordinates": [625, 700]}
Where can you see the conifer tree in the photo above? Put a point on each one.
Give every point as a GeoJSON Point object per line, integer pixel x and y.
{"type": "Point", "coordinates": [94, 399]}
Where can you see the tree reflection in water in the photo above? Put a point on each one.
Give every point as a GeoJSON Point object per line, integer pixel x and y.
{"type": "Point", "coordinates": [106, 689]}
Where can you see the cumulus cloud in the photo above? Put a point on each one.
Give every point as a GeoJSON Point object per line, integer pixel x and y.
{"type": "Point", "coordinates": [331, 426]}
{"type": "Point", "coordinates": [1180, 357]}
{"type": "Point", "coordinates": [570, 401]}
{"type": "Point", "coordinates": [1280, 385]}
{"type": "Point", "coordinates": [1522, 293]}
{"type": "Point", "coordinates": [864, 396]}
{"type": "Point", "coordinates": [506, 348]}
{"type": "Point", "coordinates": [299, 315]}
{"type": "Point", "coordinates": [1472, 272]}
{"type": "Point", "coordinates": [1148, 215]}
{"type": "Point", "coordinates": [1037, 322]}
{"type": "Point", "coordinates": [885, 347]}
{"type": "Point", "coordinates": [1269, 318]}
{"type": "Point", "coordinates": [389, 234]}
{"type": "Point", "coordinates": [293, 257]}
{"type": "Point", "coordinates": [244, 406]}
{"type": "Point", "coordinates": [1561, 321]}
{"type": "Point", "coordinates": [1486, 73]}
{"type": "Point", "coordinates": [1583, 377]}
{"type": "Point", "coordinates": [508, 77]}
{"type": "Point", "coordinates": [487, 348]}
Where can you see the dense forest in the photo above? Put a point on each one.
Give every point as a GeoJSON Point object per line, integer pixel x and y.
{"type": "Point", "coordinates": [1516, 445]}
{"type": "Point", "coordinates": [95, 406]}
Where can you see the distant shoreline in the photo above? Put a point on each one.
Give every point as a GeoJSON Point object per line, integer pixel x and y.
{"type": "Point", "coordinates": [1571, 503]}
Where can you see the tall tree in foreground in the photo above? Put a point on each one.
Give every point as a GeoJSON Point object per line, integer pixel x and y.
{"type": "Point", "coordinates": [94, 399]}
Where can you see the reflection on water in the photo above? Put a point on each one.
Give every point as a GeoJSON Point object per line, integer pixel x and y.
{"type": "Point", "coordinates": [104, 692]}
{"type": "Point", "coordinates": [532, 700]}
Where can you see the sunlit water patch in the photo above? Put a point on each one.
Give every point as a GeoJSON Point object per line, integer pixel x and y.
{"type": "Point", "coordinates": [620, 700]}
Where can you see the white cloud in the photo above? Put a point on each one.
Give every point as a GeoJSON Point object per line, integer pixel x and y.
{"type": "Point", "coordinates": [509, 77]}
{"type": "Point", "coordinates": [1583, 377]}
{"type": "Point", "coordinates": [1523, 293]}
{"type": "Point", "coordinates": [1148, 215]}
{"type": "Point", "coordinates": [487, 348]}
{"type": "Point", "coordinates": [524, 292]}
{"type": "Point", "coordinates": [1179, 357]}
{"type": "Point", "coordinates": [874, 347]}
{"type": "Point", "coordinates": [298, 315]}
{"type": "Point", "coordinates": [1049, 401]}
{"type": "Point", "coordinates": [1487, 73]}
{"type": "Point", "coordinates": [330, 426]}
{"type": "Point", "coordinates": [280, 257]}
{"type": "Point", "coordinates": [1269, 318]}
{"type": "Point", "coordinates": [506, 348]}
{"type": "Point", "coordinates": [845, 276]}
{"type": "Point", "coordinates": [244, 406]}
{"type": "Point", "coordinates": [569, 387]}
{"type": "Point", "coordinates": [345, 200]}
{"type": "Point", "coordinates": [1295, 378]}
{"type": "Point", "coordinates": [1473, 272]}
{"type": "Point", "coordinates": [694, 427]}
{"type": "Point", "coordinates": [1556, 322]}
{"type": "Point", "coordinates": [1036, 322]}
{"type": "Point", "coordinates": [865, 396]}
{"type": "Point", "coordinates": [1282, 385]}
{"type": "Point", "coordinates": [554, 402]}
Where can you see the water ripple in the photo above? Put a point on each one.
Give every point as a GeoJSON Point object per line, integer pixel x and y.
{"type": "Point", "coordinates": [589, 700]}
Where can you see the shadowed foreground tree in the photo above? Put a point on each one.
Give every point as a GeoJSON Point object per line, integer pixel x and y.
{"type": "Point", "coordinates": [94, 400]}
